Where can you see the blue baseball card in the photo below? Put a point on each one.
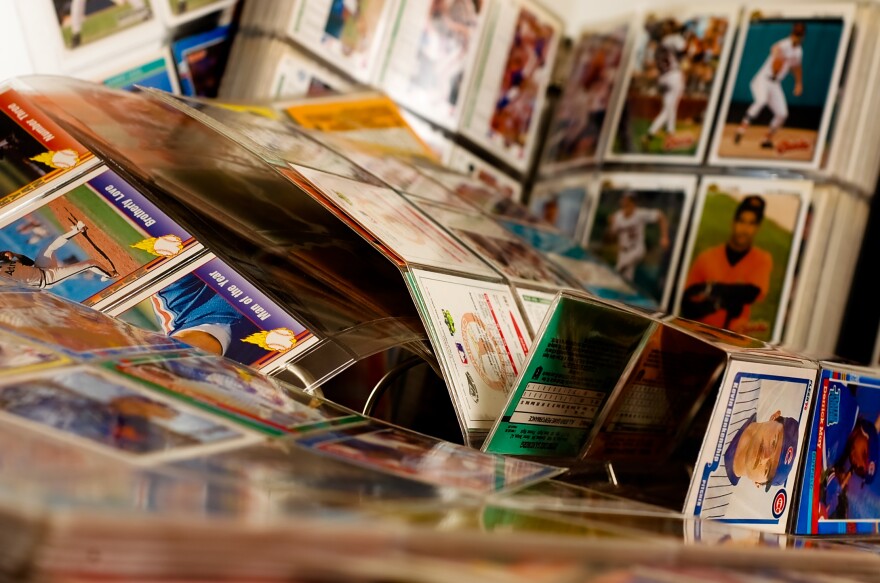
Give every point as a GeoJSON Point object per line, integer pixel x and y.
{"type": "Point", "coordinates": [214, 308]}
{"type": "Point", "coordinates": [840, 494]}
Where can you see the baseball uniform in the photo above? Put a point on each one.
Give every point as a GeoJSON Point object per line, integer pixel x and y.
{"type": "Point", "coordinates": [713, 267]}
{"type": "Point", "coordinates": [719, 488]}
{"type": "Point", "coordinates": [766, 86]}
{"type": "Point", "coordinates": [630, 231]}
{"type": "Point", "coordinates": [671, 81]}
{"type": "Point", "coordinates": [45, 271]}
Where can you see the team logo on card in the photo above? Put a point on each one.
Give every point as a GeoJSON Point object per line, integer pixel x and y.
{"type": "Point", "coordinates": [450, 322]}
{"type": "Point", "coordinates": [461, 353]}
{"type": "Point", "coordinates": [277, 340]}
{"type": "Point", "coordinates": [789, 455]}
{"type": "Point", "coordinates": [780, 501]}
{"type": "Point", "coordinates": [164, 246]}
{"type": "Point", "coordinates": [472, 387]}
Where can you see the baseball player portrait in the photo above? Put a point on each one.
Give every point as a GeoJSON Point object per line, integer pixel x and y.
{"type": "Point", "coordinates": [759, 450]}
{"type": "Point", "coordinates": [725, 280]}
{"type": "Point", "coordinates": [786, 56]}
{"type": "Point", "coordinates": [46, 270]}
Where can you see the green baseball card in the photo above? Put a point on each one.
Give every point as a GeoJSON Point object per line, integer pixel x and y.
{"type": "Point", "coordinates": [577, 361]}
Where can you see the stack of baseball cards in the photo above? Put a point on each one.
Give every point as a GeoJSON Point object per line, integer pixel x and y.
{"type": "Point", "coordinates": [581, 120]}
{"type": "Point", "coordinates": [261, 69]}
{"type": "Point", "coordinates": [622, 392]}
{"type": "Point", "coordinates": [507, 92]}
{"type": "Point", "coordinates": [428, 61]}
{"type": "Point", "coordinates": [345, 34]}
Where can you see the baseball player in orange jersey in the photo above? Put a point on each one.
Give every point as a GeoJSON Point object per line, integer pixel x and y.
{"type": "Point", "coordinates": [766, 86]}
{"type": "Point", "coordinates": [725, 280]}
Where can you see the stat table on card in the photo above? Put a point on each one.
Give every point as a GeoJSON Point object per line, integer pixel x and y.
{"type": "Point", "coordinates": [553, 405]}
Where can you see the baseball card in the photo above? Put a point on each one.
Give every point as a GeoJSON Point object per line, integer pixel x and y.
{"type": "Point", "coordinates": [563, 202]}
{"type": "Point", "coordinates": [17, 355]}
{"type": "Point", "coordinates": [97, 410]}
{"type": "Point", "coordinates": [85, 21]}
{"type": "Point", "coordinates": [535, 306]}
{"type": "Point", "coordinates": [507, 94]}
{"type": "Point", "coordinates": [504, 251]}
{"type": "Point", "coordinates": [365, 120]}
{"type": "Point", "coordinates": [177, 12]}
{"type": "Point", "coordinates": [200, 60]}
{"type": "Point", "coordinates": [215, 309]}
{"type": "Point", "coordinates": [426, 459]}
{"type": "Point", "coordinates": [75, 330]}
{"type": "Point", "coordinates": [34, 151]}
{"type": "Point", "coordinates": [579, 125]}
{"type": "Point", "coordinates": [398, 224]}
{"type": "Point", "coordinates": [672, 86]}
{"type": "Point", "coordinates": [481, 338]}
{"type": "Point", "coordinates": [407, 179]}
{"type": "Point", "coordinates": [783, 86]}
{"type": "Point", "coordinates": [235, 392]}
{"type": "Point", "coordinates": [583, 268]}
{"type": "Point", "coordinates": [154, 70]}
{"type": "Point", "coordinates": [429, 57]}
{"type": "Point", "coordinates": [593, 274]}
{"type": "Point", "coordinates": [345, 33]}
{"type": "Point", "coordinates": [638, 224]}
{"type": "Point", "coordinates": [741, 255]}
{"type": "Point", "coordinates": [747, 471]}
{"type": "Point", "coordinates": [659, 399]}
{"type": "Point", "coordinates": [91, 239]}
{"type": "Point", "coordinates": [839, 495]}
{"type": "Point", "coordinates": [463, 160]}
{"type": "Point", "coordinates": [578, 359]}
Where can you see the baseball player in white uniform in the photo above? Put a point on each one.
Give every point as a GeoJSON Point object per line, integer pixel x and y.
{"type": "Point", "coordinates": [628, 225]}
{"type": "Point", "coordinates": [760, 452]}
{"type": "Point", "coordinates": [671, 81]}
{"type": "Point", "coordinates": [45, 271]}
{"type": "Point", "coordinates": [766, 86]}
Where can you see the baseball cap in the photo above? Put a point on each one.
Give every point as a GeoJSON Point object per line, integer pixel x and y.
{"type": "Point", "coordinates": [873, 448]}
{"type": "Point", "coordinates": [753, 203]}
{"type": "Point", "coordinates": [787, 453]}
